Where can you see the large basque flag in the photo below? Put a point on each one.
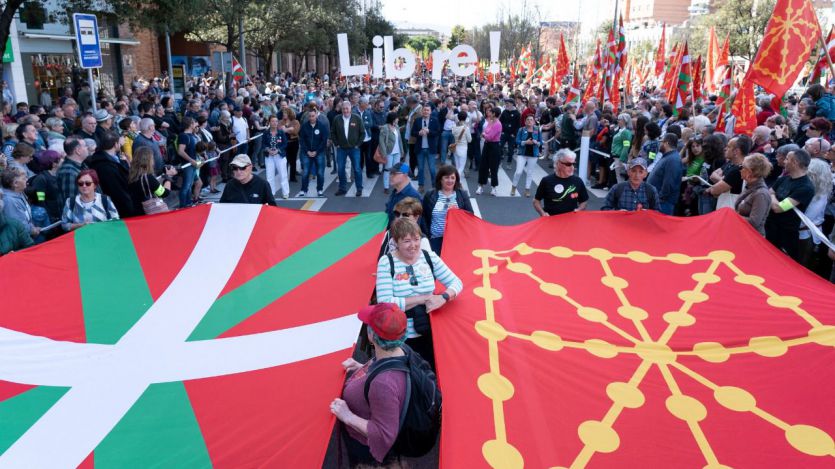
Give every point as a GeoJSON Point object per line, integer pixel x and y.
{"type": "Point", "coordinates": [633, 339]}
{"type": "Point", "coordinates": [204, 337]}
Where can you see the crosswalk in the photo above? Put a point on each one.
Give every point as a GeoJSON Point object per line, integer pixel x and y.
{"type": "Point", "coordinates": [372, 187]}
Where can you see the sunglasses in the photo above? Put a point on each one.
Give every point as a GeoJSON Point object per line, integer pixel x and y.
{"type": "Point", "coordinates": [401, 214]}
{"type": "Point", "coordinates": [238, 168]}
{"type": "Point", "coordinates": [566, 164]}
{"type": "Point", "coordinates": [413, 281]}
{"type": "Point", "coordinates": [84, 183]}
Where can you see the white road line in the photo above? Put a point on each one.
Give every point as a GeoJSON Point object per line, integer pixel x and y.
{"type": "Point", "coordinates": [505, 183]}
{"type": "Point", "coordinates": [599, 193]}
{"type": "Point", "coordinates": [311, 184]}
{"type": "Point", "coordinates": [367, 186]}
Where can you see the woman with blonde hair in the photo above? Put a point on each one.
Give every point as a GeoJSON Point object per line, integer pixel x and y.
{"type": "Point", "coordinates": [754, 203]}
{"type": "Point", "coordinates": [143, 186]}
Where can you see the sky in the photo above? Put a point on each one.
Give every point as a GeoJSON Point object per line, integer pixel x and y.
{"type": "Point", "coordinates": [443, 14]}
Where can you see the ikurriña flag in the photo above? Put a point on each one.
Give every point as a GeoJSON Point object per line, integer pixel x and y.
{"type": "Point", "coordinates": [632, 339]}
{"type": "Point", "coordinates": [207, 337]}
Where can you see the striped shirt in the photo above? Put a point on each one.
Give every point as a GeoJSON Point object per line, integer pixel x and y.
{"type": "Point", "coordinates": [443, 204]}
{"type": "Point", "coordinates": [396, 290]}
{"type": "Point", "coordinates": [87, 212]}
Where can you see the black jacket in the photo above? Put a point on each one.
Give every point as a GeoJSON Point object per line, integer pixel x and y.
{"type": "Point", "coordinates": [113, 181]}
{"type": "Point", "coordinates": [431, 197]}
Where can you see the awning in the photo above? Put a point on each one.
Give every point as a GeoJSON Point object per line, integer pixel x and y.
{"type": "Point", "coordinates": [62, 37]}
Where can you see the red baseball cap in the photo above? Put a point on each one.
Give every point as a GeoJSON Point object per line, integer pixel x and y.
{"type": "Point", "coordinates": [387, 320]}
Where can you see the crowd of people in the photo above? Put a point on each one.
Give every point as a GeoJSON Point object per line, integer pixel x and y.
{"type": "Point", "coordinates": [69, 165]}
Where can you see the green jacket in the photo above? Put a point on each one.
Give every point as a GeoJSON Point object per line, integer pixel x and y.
{"type": "Point", "coordinates": [621, 143]}
{"type": "Point", "coordinates": [13, 235]}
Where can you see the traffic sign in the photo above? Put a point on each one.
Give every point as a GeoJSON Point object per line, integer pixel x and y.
{"type": "Point", "coordinates": [87, 40]}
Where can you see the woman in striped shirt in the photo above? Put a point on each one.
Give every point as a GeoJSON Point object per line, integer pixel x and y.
{"type": "Point", "coordinates": [407, 277]}
{"type": "Point", "coordinates": [88, 206]}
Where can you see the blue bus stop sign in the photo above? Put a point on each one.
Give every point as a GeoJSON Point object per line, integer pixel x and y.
{"type": "Point", "coordinates": [87, 40]}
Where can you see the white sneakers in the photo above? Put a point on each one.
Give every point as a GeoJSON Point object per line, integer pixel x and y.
{"type": "Point", "coordinates": [479, 191]}
{"type": "Point", "coordinates": [301, 194]}
{"type": "Point", "coordinates": [493, 191]}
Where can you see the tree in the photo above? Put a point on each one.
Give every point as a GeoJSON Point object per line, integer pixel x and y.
{"type": "Point", "coordinates": [457, 36]}
{"type": "Point", "coordinates": [10, 7]}
{"type": "Point", "coordinates": [739, 19]}
{"type": "Point", "coordinates": [423, 45]}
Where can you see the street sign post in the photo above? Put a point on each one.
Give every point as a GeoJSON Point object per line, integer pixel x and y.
{"type": "Point", "coordinates": [89, 47]}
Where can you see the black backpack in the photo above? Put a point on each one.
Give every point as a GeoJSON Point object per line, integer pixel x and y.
{"type": "Point", "coordinates": [420, 417]}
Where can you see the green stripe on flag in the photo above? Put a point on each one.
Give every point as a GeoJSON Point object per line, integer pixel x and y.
{"type": "Point", "coordinates": [114, 292]}
{"type": "Point", "coordinates": [160, 430]}
{"type": "Point", "coordinates": [20, 412]}
{"type": "Point", "coordinates": [246, 300]}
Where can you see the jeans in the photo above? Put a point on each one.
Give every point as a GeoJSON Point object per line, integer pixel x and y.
{"type": "Point", "coordinates": [341, 155]}
{"type": "Point", "coordinates": [257, 152]}
{"type": "Point", "coordinates": [510, 140]}
{"type": "Point", "coordinates": [308, 165]}
{"type": "Point", "coordinates": [667, 208]}
{"type": "Point", "coordinates": [426, 159]}
{"type": "Point", "coordinates": [188, 182]}
{"type": "Point", "coordinates": [390, 161]}
{"type": "Point", "coordinates": [446, 139]}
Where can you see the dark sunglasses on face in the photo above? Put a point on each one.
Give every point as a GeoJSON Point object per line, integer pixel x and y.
{"type": "Point", "coordinates": [566, 164]}
{"type": "Point", "coordinates": [413, 281]}
{"type": "Point", "coordinates": [84, 183]}
{"type": "Point", "coordinates": [238, 168]}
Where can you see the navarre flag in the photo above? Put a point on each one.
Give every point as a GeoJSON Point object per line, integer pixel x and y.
{"type": "Point", "coordinates": [697, 78]}
{"type": "Point", "coordinates": [661, 53]}
{"type": "Point", "coordinates": [822, 65]}
{"type": "Point", "coordinates": [237, 70]}
{"type": "Point", "coordinates": [206, 337]}
{"type": "Point", "coordinates": [562, 350]}
{"type": "Point", "coordinates": [786, 46]}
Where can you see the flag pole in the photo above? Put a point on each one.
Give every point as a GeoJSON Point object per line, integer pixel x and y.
{"type": "Point", "coordinates": [826, 53]}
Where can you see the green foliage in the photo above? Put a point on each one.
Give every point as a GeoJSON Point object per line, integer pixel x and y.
{"type": "Point", "coordinates": [423, 45]}
{"type": "Point", "coordinates": [457, 36]}
{"type": "Point", "coordinates": [740, 20]}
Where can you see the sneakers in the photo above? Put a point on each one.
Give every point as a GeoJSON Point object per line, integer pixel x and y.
{"type": "Point", "coordinates": [479, 191]}
{"type": "Point", "coordinates": [493, 192]}
{"type": "Point", "coordinates": [301, 194]}
{"type": "Point", "coordinates": [320, 193]}
{"type": "Point", "coordinates": [512, 191]}
{"type": "Point", "coordinates": [528, 193]}
{"type": "Point", "coordinates": [359, 193]}
{"type": "Point", "coordinates": [285, 197]}
{"type": "Point", "coordinates": [341, 192]}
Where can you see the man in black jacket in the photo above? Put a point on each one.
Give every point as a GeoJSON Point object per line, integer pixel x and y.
{"type": "Point", "coordinates": [245, 187]}
{"type": "Point", "coordinates": [113, 172]}
{"type": "Point", "coordinates": [347, 133]}
{"type": "Point", "coordinates": [511, 121]}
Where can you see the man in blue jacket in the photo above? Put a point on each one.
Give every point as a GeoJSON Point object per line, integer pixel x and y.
{"type": "Point", "coordinates": [426, 130]}
{"type": "Point", "coordinates": [666, 175]}
{"type": "Point", "coordinates": [313, 141]}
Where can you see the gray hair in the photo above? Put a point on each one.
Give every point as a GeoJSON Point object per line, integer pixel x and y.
{"type": "Point", "coordinates": [225, 116]}
{"type": "Point", "coordinates": [54, 121]}
{"type": "Point", "coordinates": [626, 119]}
{"type": "Point", "coordinates": [565, 153]}
{"type": "Point", "coordinates": [145, 124]}
{"type": "Point", "coordinates": [821, 177]}
{"type": "Point", "coordinates": [784, 150]}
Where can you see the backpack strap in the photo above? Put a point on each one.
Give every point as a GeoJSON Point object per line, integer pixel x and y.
{"type": "Point", "coordinates": [428, 261]}
{"type": "Point", "coordinates": [398, 364]}
{"type": "Point", "coordinates": [391, 264]}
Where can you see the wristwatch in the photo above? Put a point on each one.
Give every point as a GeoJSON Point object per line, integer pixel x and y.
{"type": "Point", "coordinates": [445, 296]}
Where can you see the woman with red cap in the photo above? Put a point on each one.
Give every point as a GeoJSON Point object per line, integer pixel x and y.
{"type": "Point", "coordinates": [372, 425]}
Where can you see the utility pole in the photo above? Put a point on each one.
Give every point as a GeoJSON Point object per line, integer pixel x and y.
{"type": "Point", "coordinates": [241, 48]}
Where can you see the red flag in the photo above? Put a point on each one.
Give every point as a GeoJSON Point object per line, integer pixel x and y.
{"type": "Point", "coordinates": [697, 78]}
{"type": "Point", "coordinates": [560, 353]}
{"type": "Point", "coordinates": [614, 96]}
{"type": "Point", "coordinates": [660, 54]}
{"type": "Point", "coordinates": [745, 107]}
{"type": "Point", "coordinates": [789, 38]}
{"type": "Point", "coordinates": [722, 63]}
{"type": "Point", "coordinates": [671, 75]}
{"type": "Point", "coordinates": [627, 84]}
{"type": "Point", "coordinates": [822, 65]}
{"type": "Point", "coordinates": [562, 61]}
{"type": "Point", "coordinates": [712, 59]}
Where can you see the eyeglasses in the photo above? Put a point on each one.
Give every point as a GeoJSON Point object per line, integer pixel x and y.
{"type": "Point", "coordinates": [238, 168]}
{"type": "Point", "coordinates": [85, 183]}
{"type": "Point", "coordinates": [401, 214]}
{"type": "Point", "coordinates": [566, 164]}
{"type": "Point", "coordinates": [413, 281]}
